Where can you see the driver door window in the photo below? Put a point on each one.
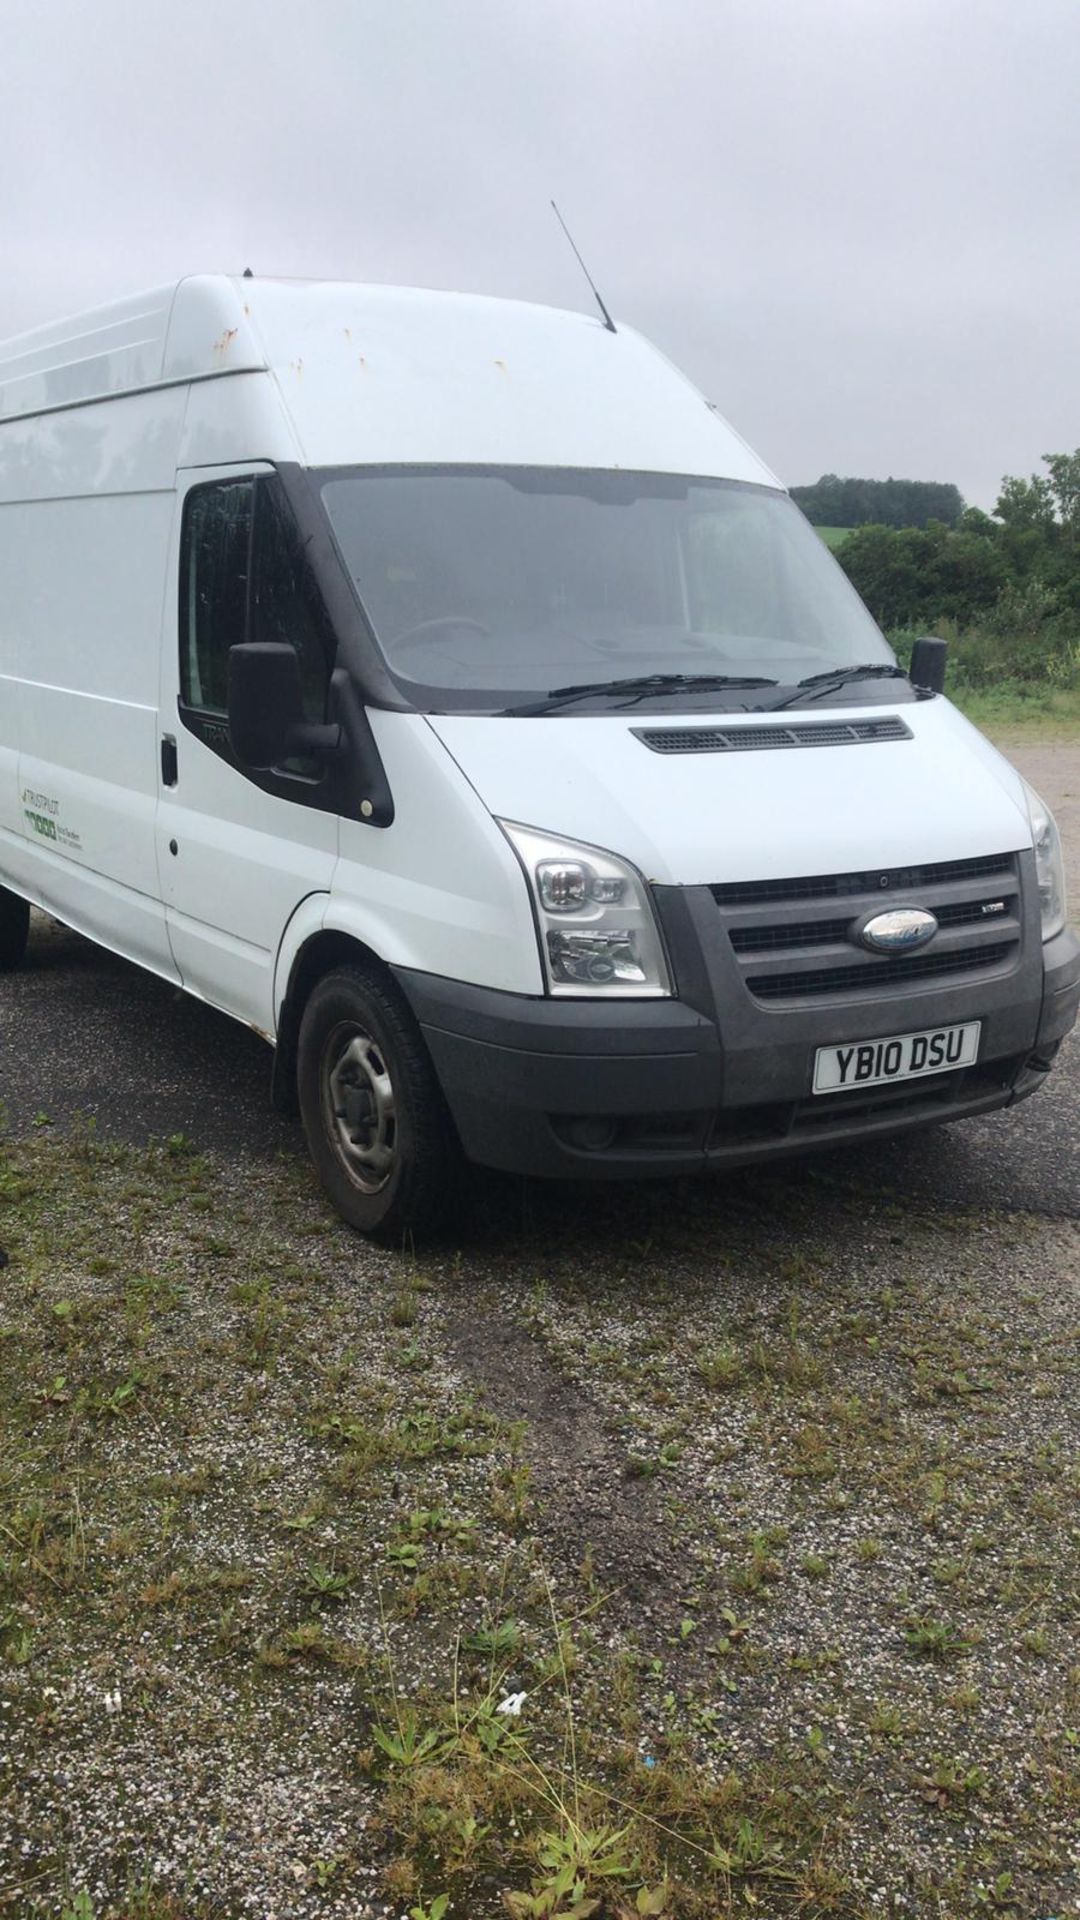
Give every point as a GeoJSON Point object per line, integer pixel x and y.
{"type": "Point", "coordinates": [244, 576]}
{"type": "Point", "coordinates": [215, 573]}
{"type": "Point", "coordinates": [285, 602]}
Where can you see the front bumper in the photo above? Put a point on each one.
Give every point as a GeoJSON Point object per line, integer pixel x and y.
{"type": "Point", "coordinates": [583, 1089]}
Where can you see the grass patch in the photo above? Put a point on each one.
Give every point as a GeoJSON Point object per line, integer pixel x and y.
{"type": "Point", "coordinates": [1024, 709]}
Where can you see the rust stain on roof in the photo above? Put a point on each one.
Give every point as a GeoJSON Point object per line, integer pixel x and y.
{"type": "Point", "coordinates": [227, 338]}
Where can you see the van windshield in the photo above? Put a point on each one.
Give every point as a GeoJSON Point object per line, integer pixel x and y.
{"type": "Point", "coordinates": [487, 588]}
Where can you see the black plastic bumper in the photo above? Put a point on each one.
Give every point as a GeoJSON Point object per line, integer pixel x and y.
{"type": "Point", "coordinates": [575, 1089]}
{"type": "Point", "coordinates": [1061, 991]}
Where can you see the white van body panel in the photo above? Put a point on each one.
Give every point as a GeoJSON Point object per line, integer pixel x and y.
{"type": "Point", "coordinates": [86, 517]}
{"type": "Point", "coordinates": [374, 375]}
{"type": "Point", "coordinates": [223, 416]}
{"type": "Point", "coordinates": [194, 329]}
{"type": "Point", "coordinates": [244, 865]}
{"type": "Point", "coordinates": [390, 374]}
{"type": "Point", "coordinates": [704, 818]}
{"type": "Point", "coordinates": [441, 881]}
{"type": "Point", "coordinates": [441, 889]}
{"type": "Point", "coordinates": [97, 355]}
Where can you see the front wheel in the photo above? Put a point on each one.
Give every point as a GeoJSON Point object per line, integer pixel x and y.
{"type": "Point", "coordinates": [14, 929]}
{"type": "Point", "coordinates": [379, 1133]}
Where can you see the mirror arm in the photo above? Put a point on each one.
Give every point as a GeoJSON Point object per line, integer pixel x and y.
{"type": "Point", "coordinates": [308, 736]}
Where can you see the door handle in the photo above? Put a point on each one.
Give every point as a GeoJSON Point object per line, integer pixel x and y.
{"type": "Point", "coordinates": [170, 768]}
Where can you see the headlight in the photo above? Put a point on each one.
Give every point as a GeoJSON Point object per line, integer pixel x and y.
{"type": "Point", "coordinates": [1049, 864]}
{"type": "Point", "coordinates": [598, 932]}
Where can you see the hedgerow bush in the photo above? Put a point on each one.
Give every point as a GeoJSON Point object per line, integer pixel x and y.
{"type": "Point", "coordinates": [1003, 589]}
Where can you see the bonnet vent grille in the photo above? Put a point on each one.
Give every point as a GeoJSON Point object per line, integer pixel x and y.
{"type": "Point", "coordinates": [755, 739]}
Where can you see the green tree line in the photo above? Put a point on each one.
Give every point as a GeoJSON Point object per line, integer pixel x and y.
{"type": "Point", "coordinates": [1004, 586]}
{"type": "Point", "coordinates": [833, 502]}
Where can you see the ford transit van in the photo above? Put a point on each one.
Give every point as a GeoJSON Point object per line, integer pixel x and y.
{"type": "Point", "coordinates": [441, 687]}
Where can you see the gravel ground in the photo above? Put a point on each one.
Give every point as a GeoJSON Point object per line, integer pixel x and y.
{"type": "Point", "coordinates": [763, 1492]}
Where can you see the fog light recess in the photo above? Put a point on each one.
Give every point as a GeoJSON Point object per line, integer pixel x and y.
{"type": "Point", "coordinates": [590, 1133]}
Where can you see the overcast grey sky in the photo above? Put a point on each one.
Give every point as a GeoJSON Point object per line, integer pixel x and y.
{"type": "Point", "coordinates": [853, 222]}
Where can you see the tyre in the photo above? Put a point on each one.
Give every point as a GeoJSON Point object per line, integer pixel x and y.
{"type": "Point", "coordinates": [376, 1123]}
{"type": "Point", "coordinates": [14, 928]}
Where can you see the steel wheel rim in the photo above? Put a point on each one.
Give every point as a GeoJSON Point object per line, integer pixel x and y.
{"type": "Point", "coordinates": [360, 1107]}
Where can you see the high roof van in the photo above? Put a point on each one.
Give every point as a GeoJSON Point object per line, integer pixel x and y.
{"type": "Point", "coordinates": [441, 687]}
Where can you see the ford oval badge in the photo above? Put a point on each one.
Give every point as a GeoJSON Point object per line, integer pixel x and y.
{"type": "Point", "coordinates": [900, 930]}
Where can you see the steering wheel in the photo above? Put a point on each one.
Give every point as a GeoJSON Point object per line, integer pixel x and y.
{"type": "Point", "coordinates": [429, 628]}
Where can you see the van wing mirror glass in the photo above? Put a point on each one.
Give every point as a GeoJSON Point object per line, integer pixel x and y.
{"type": "Point", "coordinates": [266, 707]}
{"type": "Point", "coordinates": [265, 701]}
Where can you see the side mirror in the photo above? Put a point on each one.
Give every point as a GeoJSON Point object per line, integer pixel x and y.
{"type": "Point", "coordinates": [266, 707]}
{"type": "Point", "coordinates": [927, 669]}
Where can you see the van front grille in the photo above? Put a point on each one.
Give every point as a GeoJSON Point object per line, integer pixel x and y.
{"type": "Point", "coordinates": [797, 940]}
{"type": "Point", "coordinates": [874, 880]}
{"type": "Point", "coordinates": [823, 933]}
{"type": "Point", "coordinates": [886, 973]}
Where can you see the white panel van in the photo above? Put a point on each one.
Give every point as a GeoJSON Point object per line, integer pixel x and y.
{"type": "Point", "coordinates": [439, 686]}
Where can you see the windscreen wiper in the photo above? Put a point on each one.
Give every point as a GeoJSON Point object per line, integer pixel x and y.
{"type": "Point", "coordinates": [818, 683]}
{"type": "Point", "coordinates": [639, 687]}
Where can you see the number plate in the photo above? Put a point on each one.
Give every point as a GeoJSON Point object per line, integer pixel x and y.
{"type": "Point", "coordinates": [903, 1056]}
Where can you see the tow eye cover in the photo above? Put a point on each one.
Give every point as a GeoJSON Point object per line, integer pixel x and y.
{"type": "Point", "coordinates": [900, 930]}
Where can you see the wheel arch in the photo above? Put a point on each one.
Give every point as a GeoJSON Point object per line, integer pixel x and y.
{"type": "Point", "coordinates": [319, 952]}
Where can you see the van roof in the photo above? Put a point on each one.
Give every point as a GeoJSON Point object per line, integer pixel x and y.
{"type": "Point", "coordinates": [375, 374]}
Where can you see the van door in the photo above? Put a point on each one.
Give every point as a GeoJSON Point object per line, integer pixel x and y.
{"type": "Point", "coordinates": [238, 850]}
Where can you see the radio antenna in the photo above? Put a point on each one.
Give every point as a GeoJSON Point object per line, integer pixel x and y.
{"type": "Point", "coordinates": [608, 321]}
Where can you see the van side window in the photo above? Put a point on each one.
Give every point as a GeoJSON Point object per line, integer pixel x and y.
{"type": "Point", "coordinates": [244, 576]}
{"type": "Point", "coordinates": [285, 602]}
{"type": "Point", "coordinates": [215, 561]}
